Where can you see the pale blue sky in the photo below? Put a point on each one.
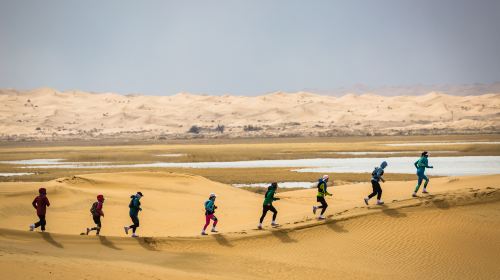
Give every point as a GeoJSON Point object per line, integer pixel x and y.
{"type": "Point", "coordinates": [246, 47]}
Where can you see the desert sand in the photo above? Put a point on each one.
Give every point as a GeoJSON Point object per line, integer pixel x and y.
{"type": "Point", "coordinates": [451, 234]}
{"type": "Point", "coordinates": [49, 114]}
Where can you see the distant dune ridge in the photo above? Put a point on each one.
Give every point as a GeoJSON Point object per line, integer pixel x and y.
{"type": "Point", "coordinates": [49, 114]}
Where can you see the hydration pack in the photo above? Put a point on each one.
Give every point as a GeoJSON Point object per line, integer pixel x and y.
{"type": "Point", "coordinates": [375, 171]}
{"type": "Point", "coordinates": [93, 209]}
{"type": "Point", "coordinates": [131, 204]}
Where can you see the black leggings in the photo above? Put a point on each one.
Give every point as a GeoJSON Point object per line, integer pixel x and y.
{"type": "Point", "coordinates": [266, 208]}
{"type": "Point", "coordinates": [377, 190]}
{"type": "Point", "coordinates": [135, 220]}
{"type": "Point", "coordinates": [324, 205]}
{"type": "Point", "coordinates": [97, 221]}
{"type": "Point", "coordinates": [41, 223]}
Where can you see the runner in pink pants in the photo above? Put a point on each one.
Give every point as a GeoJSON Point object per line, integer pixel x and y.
{"type": "Point", "coordinates": [210, 214]}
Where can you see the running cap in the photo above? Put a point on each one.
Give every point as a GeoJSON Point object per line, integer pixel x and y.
{"type": "Point", "coordinates": [140, 194]}
{"type": "Point", "coordinates": [325, 177]}
{"type": "Point", "coordinates": [383, 164]}
{"type": "Point", "coordinates": [212, 195]}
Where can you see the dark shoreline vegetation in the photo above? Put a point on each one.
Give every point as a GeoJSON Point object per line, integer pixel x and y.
{"type": "Point", "coordinates": [113, 141]}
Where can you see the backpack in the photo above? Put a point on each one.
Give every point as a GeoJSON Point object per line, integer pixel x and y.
{"type": "Point", "coordinates": [93, 209]}
{"type": "Point", "coordinates": [131, 204]}
{"type": "Point", "coordinates": [374, 173]}
{"type": "Point", "coordinates": [319, 184]}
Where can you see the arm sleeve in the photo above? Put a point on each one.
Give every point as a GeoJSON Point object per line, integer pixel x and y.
{"type": "Point", "coordinates": [325, 190]}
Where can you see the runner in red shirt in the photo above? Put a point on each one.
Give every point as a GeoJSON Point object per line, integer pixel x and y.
{"type": "Point", "coordinates": [40, 203]}
{"type": "Point", "coordinates": [97, 213]}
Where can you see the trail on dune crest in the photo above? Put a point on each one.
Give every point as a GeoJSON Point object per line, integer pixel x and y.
{"type": "Point", "coordinates": [452, 235]}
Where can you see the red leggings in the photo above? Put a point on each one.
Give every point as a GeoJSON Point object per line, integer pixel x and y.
{"type": "Point", "coordinates": [207, 220]}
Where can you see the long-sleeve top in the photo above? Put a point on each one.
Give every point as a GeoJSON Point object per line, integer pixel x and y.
{"type": "Point", "coordinates": [135, 206]}
{"type": "Point", "coordinates": [322, 188]}
{"type": "Point", "coordinates": [377, 174]}
{"type": "Point", "coordinates": [269, 197]}
{"type": "Point", "coordinates": [421, 164]}
{"type": "Point", "coordinates": [40, 203]}
{"type": "Point", "coordinates": [209, 207]}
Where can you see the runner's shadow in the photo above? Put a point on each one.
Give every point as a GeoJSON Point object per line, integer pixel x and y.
{"type": "Point", "coordinates": [147, 243]}
{"type": "Point", "coordinates": [441, 204]}
{"type": "Point", "coordinates": [105, 241]}
{"type": "Point", "coordinates": [222, 240]}
{"type": "Point", "coordinates": [336, 227]}
{"type": "Point", "coordinates": [47, 237]}
{"type": "Point", "coordinates": [283, 236]}
{"type": "Point", "coordinates": [391, 212]}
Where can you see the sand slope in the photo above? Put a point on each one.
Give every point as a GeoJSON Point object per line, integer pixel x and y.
{"type": "Point", "coordinates": [47, 113]}
{"type": "Point", "coordinates": [452, 234]}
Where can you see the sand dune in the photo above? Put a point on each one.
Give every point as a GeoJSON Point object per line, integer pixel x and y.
{"type": "Point", "coordinates": [47, 113]}
{"type": "Point", "coordinates": [452, 234]}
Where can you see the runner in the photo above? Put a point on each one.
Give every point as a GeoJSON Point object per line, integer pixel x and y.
{"type": "Point", "coordinates": [268, 205]}
{"type": "Point", "coordinates": [135, 207]}
{"type": "Point", "coordinates": [421, 164]}
{"type": "Point", "coordinates": [40, 203]}
{"type": "Point", "coordinates": [209, 213]}
{"type": "Point", "coordinates": [320, 197]}
{"type": "Point", "coordinates": [96, 211]}
{"type": "Point", "coordinates": [377, 174]}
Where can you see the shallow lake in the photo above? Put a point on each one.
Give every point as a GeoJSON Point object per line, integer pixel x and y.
{"type": "Point", "coordinates": [15, 174]}
{"type": "Point", "coordinates": [445, 166]}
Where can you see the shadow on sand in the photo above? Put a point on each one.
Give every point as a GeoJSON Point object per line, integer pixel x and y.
{"type": "Point", "coordinates": [148, 243]}
{"type": "Point", "coordinates": [222, 240]}
{"type": "Point", "coordinates": [441, 204]}
{"type": "Point", "coordinates": [105, 242]}
{"type": "Point", "coordinates": [335, 226]}
{"type": "Point", "coordinates": [283, 236]}
{"type": "Point", "coordinates": [48, 237]}
{"type": "Point", "coordinates": [391, 212]}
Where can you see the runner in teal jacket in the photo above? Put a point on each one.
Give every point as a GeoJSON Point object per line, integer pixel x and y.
{"type": "Point", "coordinates": [421, 164]}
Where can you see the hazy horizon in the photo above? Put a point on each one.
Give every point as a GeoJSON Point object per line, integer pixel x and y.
{"type": "Point", "coordinates": [249, 48]}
